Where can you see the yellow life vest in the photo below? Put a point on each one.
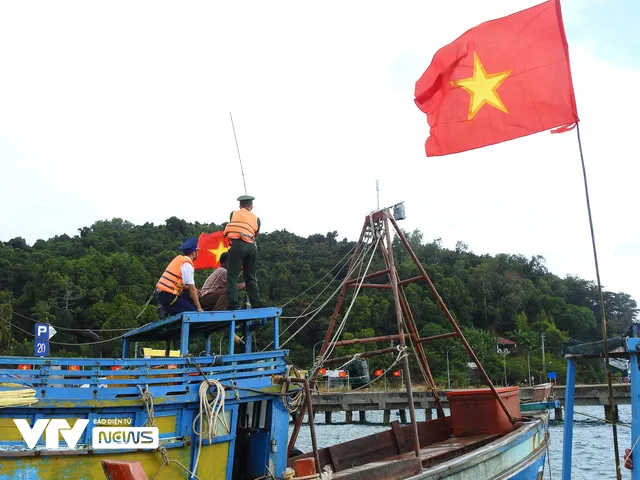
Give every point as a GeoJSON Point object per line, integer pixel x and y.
{"type": "Point", "coordinates": [243, 225]}
{"type": "Point", "coordinates": [171, 279]}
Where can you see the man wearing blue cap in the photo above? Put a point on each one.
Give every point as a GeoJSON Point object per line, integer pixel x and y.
{"type": "Point", "coordinates": [177, 287]}
{"type": "Point", "coordinates": [242, 229]}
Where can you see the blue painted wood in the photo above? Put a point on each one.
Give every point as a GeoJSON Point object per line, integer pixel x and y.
{"type": "Point", "coordinates": [96, 392]}
{"type": "Point", "coordinates": [184, 339]}
{"type": "Point", "coordinates": [633, 347]}
{"type": "Point", "coordinates": [567, 438]}
{"type": "Point", "coordinates": [108, 362]}
{"type": "Point", "coordinates": [533, 471]}
{"type": "Point", "coordinates": [232, 445]}
{"type": "Point", "coordinates": [248, 337]}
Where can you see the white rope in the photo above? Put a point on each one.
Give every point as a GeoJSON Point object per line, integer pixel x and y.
{"type": "Point", "coordinates": [335, 292]}
{"type": "Point", "coordinates": [631, 451]}
{"type": "Point", "coordinates": [340, 264]}
{"type": "Point", "coordinates": [402, 353]}
{"type": "Point", "coordinates": [353, 358]}
{"type": "Point", "coordinates": [210, 410]}
{"type": "Point", "coordinates": [293, 402]}
{"type": "Point", "coordinates": [358, 262]}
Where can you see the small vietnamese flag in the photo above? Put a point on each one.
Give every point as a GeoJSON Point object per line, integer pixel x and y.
{"type": "Point", "coordinates": [211, 246]}
{"type": "Point", "coordinates": [500, 80]}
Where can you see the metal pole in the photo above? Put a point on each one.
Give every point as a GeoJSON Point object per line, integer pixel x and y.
{"type": "Point", "coordinates": [453, 322]}
{"type": "Point", "coordinates": [312, 428]}
{"type": "Point", "coordinates": [448, 376]}
{"type": "Point", "coordinates": [544, 365]}
{"type": "Point", "coordinates": [405, 363]}
{"type": "Point", "coordinates": [529, 369]}
{"type": "Point", "coordinates": [313, 360]}
{"type": "Point", "coordinates": [612, 404]}
{"type": "Point", "coordinates": [371, 353]}
{"type": "Point", "coordinates": [567, 437]}
{"type": "Point", "coordinates": [418, 349]}
{"type": "Point", "coordinates": [238, 149]}
{"type": "Point", "coordinates": [504, 364]}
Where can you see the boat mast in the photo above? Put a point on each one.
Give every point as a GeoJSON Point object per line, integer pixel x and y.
{"type": "Point", "coordinates": [377, 228]}
{"type": "Point", "coordinates": [388, 256]}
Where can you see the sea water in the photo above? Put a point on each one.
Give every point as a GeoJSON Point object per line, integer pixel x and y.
{"type": "Point", "coordinates": [592, 440]}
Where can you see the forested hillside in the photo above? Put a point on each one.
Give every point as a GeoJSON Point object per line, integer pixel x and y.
{"type": "Point", "coordinates": [101, 278]}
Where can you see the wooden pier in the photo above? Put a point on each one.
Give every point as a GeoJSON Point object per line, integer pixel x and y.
{"type": "Point", "coordinates": [396, 401]}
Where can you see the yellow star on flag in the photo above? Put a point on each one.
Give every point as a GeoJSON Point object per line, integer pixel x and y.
{"type": "Point", "coordinates": [219, 250]}
{"type": "Point", "coordinates": [482, 87]}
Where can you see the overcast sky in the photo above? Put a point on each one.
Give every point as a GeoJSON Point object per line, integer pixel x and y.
{"type": "Point", "coordinates": [121, 109]}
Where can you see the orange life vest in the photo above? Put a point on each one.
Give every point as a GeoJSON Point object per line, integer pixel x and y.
{"type": "Point", "coordinates": [243, 224]}
{"type": "Point", "coordinates": [171, 279]}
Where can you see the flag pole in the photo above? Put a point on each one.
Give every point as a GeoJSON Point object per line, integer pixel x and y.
{"type": "Point", "coordinates": [612, 405]}
{"type": "Point", "coordinates": [238, 149]}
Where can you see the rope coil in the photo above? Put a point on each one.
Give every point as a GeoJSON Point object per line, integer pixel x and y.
{"type": "Point", "coordinates": [292, 402]}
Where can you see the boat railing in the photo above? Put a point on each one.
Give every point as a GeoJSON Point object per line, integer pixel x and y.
{"type": "Point", "coordinates": [181, 329]}
{"type": "Point", "coordinates": [177, 378]}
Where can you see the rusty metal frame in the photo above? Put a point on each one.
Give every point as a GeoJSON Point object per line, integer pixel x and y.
{"type": "Point", "coordinates": [452, 321]}
{"type": "Point", "coordinates": [376, 223]}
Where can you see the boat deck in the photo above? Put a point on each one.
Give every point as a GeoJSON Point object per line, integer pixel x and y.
{"type": "Point", "coordinates": [407, 462]}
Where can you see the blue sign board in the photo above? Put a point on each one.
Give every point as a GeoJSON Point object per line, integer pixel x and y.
{"type": "Point", "coordinates": [552, 375]}
{"type": "Point", "coordinates": [41, 342]}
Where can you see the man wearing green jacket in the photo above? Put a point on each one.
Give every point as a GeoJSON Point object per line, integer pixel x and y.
{"type": "Point", "coordinates": [242, 230]}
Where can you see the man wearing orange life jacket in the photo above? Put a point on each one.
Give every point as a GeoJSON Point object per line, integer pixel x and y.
{"type": "Point", "coordinates": [242, 229]}
{"type": "Point", "coordinates": [176, 287]}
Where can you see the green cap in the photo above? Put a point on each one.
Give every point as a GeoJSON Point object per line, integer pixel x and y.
{"type": "Point", "coordinates": [246, 198]}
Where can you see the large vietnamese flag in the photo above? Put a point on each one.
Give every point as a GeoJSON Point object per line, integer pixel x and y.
{"type": "Point", "coordinates": [500, 80]}
{"type": "Point", "coordinates": [211, 246]}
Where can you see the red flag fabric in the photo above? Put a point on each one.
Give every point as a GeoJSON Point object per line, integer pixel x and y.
{"type": "Point", "coordinates": [211, 246]}
{"type": "Point", "coordinates": [500, 80]}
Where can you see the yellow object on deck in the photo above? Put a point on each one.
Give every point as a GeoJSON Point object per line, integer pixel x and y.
{"type": "Point", "coordinates": [17, 398]}
{"type": "Point", "coordinates": [158, 352]}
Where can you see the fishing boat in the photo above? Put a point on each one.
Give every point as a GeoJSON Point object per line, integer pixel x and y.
{"type": "Point", "coordinates": [485, 436]}
{"type": "Point", "coordinates": [225, 415]}
{"type": "Point", "coordinates": [221, 416]}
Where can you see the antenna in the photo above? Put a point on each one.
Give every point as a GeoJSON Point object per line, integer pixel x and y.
{"type": "Point", "coordinates": [378, 192]}
{"type": "Point", "coordinates": [238, 149]}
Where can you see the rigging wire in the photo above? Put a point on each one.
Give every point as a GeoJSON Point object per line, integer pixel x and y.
{"type": "Point", "coordinates": [65, 329]}
{"type": "Point", "coordinates": [304, 312]}
{"type": "Point", "coordinates": [317, 310]}
{"type": "Point", "coordinates": [65, 343]}
{"type": "Point", "coordinates": [402, 352]}
{"type": "Point", "coordinates": [338, 333]}
{"type": "Point", "coordinates": [315, 313]}
{"type": "Point", "coordinates": [340, 263]}
{"type": "Point", "coordinates": [603, 318]}
{"type": "Point", "coordinates": [322, 306]}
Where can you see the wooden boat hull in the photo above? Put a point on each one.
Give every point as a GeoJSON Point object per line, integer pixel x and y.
{"type": "Point", "coordinates": [519, 455]}
{"type": "Point", "coordinates": [390, 456]}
